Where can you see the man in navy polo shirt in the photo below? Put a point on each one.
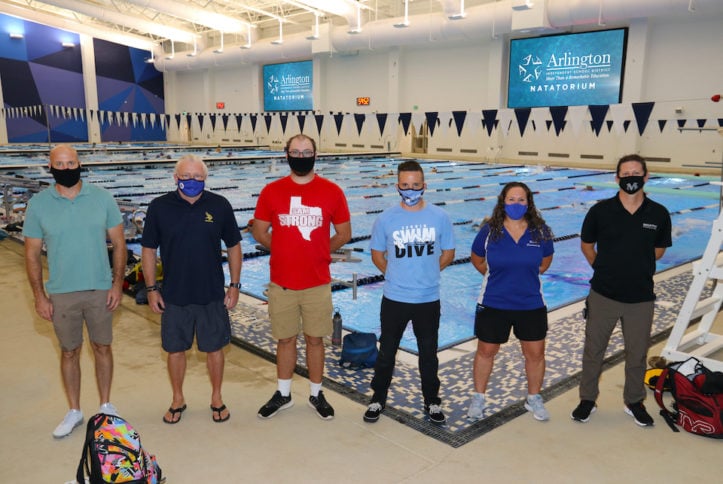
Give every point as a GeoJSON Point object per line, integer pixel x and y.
{"type": "Point", "coordinates": [188, 225]}
{"type": "Point", "coordinates": [622, 237]}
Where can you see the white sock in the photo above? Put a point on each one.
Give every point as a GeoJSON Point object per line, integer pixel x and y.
{"type": "Point", "coordinates": [314, 388]}
{"type": "Point", "coordinates": [285, 387]}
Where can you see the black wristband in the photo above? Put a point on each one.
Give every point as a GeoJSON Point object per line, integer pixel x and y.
{"type": "Point", "coordinates": [151, 288]}
{"type": "Point", "coordinates": [237, 285]}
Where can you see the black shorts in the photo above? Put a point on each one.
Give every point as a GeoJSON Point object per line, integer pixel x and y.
{"type": "Point", "coordinates": [210, 324]}
{"type": "Point", "coordinates": [493, 325]}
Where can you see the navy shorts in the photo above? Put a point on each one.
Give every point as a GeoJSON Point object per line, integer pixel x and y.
{"type": "Point", "coordinates": [209, 323]}
{"type": "Point", "coordinates": [493, 325]}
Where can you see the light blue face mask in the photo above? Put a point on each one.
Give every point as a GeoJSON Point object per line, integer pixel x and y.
{"type": "Point", "coordinates": [411, 197]}
{"type": "Point", "coordinates": [515, 210]}
{"type": "Point", "coordinates": [191, 187]}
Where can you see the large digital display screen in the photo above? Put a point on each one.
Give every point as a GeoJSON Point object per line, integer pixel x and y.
{"type": "Point", "coordinates": [567, 70]}
{"type": "Point", "coordinates": [288, 86]}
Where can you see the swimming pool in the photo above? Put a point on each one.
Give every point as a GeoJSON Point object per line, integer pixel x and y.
{"type": "Point", "coordinates": [467, 191]}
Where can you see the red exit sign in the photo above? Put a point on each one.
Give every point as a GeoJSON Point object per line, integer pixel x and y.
{"type": "Point", "coordinates": [363, 101]}
{"type": "Point", "coordinates": [220, 105]}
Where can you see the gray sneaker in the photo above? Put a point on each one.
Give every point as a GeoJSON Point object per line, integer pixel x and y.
{"type": "Point", "coordinates": [535, 405]}
{"type": "Point", "coordinates": [477, 408]}
{"type": "Point", "coordinates": [71, 420]}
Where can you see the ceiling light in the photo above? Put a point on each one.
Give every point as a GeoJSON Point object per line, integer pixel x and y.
{"type": "Point", "coordinates": [67, 45]}
{"type": "Point", "coordinates": [280, 40]}
{"type": "Point", "coordinates": [315, 34]}
{"type": "Point", "coordinates": [405, 23]}
{"type": "Point", "coordinates": [15, 35]}
{"type": "Point", "coordinates": [461, 14]}
{"type": "Point", "coordinates": [247, 45]}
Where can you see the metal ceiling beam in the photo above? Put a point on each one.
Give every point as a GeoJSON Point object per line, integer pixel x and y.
{"type": "Point", "coordinates": [194, 14]}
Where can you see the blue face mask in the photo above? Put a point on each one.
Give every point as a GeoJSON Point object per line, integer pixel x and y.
{"type": "Point", "coordinates": [515, 210]}
{"type": "Point", "coordinates": [191, 187]}
{"type": "Point", "coordinates": [411, 197]}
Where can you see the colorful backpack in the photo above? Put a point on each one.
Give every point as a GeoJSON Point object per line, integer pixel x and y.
{"type": "Point", "coordinates": [112, 453]}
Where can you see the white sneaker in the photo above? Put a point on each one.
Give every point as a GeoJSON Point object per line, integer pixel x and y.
{"type": "Point", "coordinates": [108, 409]}
{"type": "Point", "coordinates": [71, 420]}
{"type": "Point", "coordinates": [535, 405]}
{"type": "Point", "coordinates": [477, 407]}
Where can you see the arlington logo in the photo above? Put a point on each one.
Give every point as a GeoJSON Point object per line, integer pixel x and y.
{"type": "Point", "coordinates": [530, 68]}
{"type": "Point", "coordinates": [272, 84]}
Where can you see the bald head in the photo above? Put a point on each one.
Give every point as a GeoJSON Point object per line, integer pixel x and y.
{"type": "Point", "coordinates": [63, 157]}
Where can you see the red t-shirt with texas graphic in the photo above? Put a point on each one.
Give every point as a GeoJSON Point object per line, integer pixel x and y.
{"type": "Point", "coordinates": [301, 218]}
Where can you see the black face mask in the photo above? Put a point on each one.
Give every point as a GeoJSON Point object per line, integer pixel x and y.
{"type": "Point", "coordinates": [631, 184]}
{"type": "Point", "coordinates": [66, 178]}
{"type": "Point", "coordinates": [301, 165]}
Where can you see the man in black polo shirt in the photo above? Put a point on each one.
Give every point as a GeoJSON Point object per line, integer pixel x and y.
{"type": "Point", "coordinates": [188, 224]}
{"type": "Point", "coordinates": [622, 237]}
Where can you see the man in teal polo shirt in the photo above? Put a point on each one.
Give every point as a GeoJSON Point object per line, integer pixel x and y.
{"type": "Point", "coordinates": [75, 220]}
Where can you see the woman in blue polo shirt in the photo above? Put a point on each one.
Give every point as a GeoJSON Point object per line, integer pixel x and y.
{"type": "Point", "coordinates": [511, 250]}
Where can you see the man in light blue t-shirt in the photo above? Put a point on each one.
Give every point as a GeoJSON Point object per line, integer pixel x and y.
{"type": "Point", "coordinates": [75, 219]}
{"type": "Point", "coordinates": [411, 243]}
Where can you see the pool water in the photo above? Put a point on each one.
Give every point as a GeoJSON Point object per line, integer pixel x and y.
{"type": "Point", "coordinates": [467, 191]}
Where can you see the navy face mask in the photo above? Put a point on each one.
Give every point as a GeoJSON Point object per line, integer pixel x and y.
{"type": "Point", "coordinates": [301, 165]}
{"type": "Point", "coordinates": [191, 187]}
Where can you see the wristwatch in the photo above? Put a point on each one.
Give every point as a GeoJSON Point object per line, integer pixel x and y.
{"type": "Point", "coordinates": [151, 288]}
{"type": "Point", "coordinates": [237, 285]}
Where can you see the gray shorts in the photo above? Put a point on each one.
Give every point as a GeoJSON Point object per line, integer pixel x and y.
{"type": "Point", "coordinates": [72, 308]}
{"type": "Point", "coordinates": [209, 323]}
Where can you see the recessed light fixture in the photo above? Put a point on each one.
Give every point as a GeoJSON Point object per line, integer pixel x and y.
{"type": "Point", "coordinates": [15, 35]}
{"type": "Point", "coordinates": [67, 45]}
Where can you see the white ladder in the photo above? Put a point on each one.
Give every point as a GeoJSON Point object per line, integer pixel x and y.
{"type": "Point", "coordinates": [700, 342]}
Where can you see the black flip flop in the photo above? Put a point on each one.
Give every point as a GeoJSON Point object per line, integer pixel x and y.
{"type": "Point", "coordinates": [173, 412]}
{"type": "Point", "coordinates": [217, 414]}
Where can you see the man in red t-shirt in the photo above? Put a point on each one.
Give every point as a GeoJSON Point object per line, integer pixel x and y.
{"type": "Point", "coordinates": [299, 211]}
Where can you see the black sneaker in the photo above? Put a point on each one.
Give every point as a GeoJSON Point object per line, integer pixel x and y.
{"type": "Point", "coordinates": [278, 402]}
{"type": "Point", "coordinates": [638, 412]}
{"type": "Point", "coordinates": [373, 411]}
{"type": "Point", "coordinates": [583, 411]}
{"type": "Point", "coordinates": [322, 407]}
{"type": "Point", "coordinates": [434, 412]}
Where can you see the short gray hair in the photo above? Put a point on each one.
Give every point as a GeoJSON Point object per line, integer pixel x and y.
{"type": "Point", "coordinates": [194, 159]}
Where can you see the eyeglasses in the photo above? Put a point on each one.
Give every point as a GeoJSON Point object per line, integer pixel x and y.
{"type": "Point", "coordinates": [304, 154]}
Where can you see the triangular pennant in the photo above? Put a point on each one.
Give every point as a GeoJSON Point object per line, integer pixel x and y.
{"type": "Point", "coordinates": [200, 118]}
{"type": "Point", "coordinates": [267, 122]}
{"type": "Point", "coordinates": [189, 120]}
{"type": "Point", "coordinates": [598, 113]}
{"type": "Point", "coordinates": [701, 122]}
{"type": "Point", "coordinates": [558, 118]}
{"type": "Point", "coordinates": [319, 118]}
{"type": "Point", "coordinates": [522, 115]}
{"type": "Point", "coordinates": [213, 122]}
{"type": "Point", "coordinates": [284, 118]}
{"type": "Point", "coordinates": [253, 118]}
{"type": "Point", "coordinates": [609, 124]}
{"type": "Point", "coordinates": [359, 119]}
{"type": "Point", "coordinates": [432, 118]}
{"type": "Point", "coordinates": [134, 119]}
{"type": "Point", "coordinates": [405, 119]}
{"type": "Point", "coordinates": [338, 121]}
{"type": "Point", "coordinates": [620, 113]}
{"type": "Point", "coordinates": [381, 122]}
{"type": "Point", "coordinates": [301, 120]}
{"type": "Point", "coordinates": [626, 125]}
{"type": "Point", "coordinates": [548, 123]}
{"type": "Point", "coordinates": [224, 121]}
{"type": "Point", "coordinates": [642, 114]}
{"type": "Point", "coordinates": [661, 124]}
{"type": "Point", "coordinates": [489, 118]}
{"type": "Point", "coordinates": [459, 117]}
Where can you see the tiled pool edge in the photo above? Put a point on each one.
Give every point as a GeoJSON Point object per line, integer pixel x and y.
{"type": "Point", "coordinates": [251, 331]}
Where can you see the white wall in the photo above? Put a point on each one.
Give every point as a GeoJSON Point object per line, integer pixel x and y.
{"type": "Point", "coordinates": [674, 63]}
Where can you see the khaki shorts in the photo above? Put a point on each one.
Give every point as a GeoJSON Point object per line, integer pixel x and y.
{"type": "Point", "coordinates": [72, 308]}
{"type": "Point", "coordinates": [307, 310]}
